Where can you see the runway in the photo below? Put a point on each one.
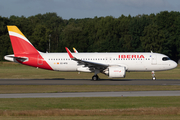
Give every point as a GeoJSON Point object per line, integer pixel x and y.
{"type": "Point", "coordinates": [92, 94]}
{"type": "Point", "coordinates": [62, 81]}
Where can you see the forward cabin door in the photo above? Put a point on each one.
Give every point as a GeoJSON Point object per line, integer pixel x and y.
{"type": "Point", "coordinates": [153, 59]}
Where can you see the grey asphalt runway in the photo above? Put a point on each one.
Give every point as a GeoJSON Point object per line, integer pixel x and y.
{"type": "Point", "coordinates": [93, 94]}
{"type": "Point", "coordinates": [61, 81]}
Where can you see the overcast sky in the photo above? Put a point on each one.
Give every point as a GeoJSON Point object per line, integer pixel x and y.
{"type": "Point", "coordinates": [86, 8]}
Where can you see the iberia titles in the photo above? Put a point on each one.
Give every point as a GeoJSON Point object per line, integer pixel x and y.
{"type": "Point", "coordinates": [130, 56]}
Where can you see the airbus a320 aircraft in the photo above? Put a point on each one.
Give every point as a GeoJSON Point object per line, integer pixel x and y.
{"type": "Point", "coordinates": [115, 65]}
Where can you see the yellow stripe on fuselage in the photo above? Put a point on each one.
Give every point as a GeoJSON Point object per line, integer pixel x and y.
{"type": "Point", "coordinates": [15, 29]}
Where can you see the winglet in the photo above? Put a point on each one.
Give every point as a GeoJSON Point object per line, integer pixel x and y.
{"type": "Point", "coordinates": [75, 50]}
{"type": "Point", "coordinates": [69, 53]}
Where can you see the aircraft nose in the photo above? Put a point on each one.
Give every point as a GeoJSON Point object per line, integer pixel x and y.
{"type": "Point", "coordinates": [173, 64]}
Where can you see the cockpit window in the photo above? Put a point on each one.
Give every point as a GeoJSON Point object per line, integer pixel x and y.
{"type": "Point", "coordinates": [165, 58]}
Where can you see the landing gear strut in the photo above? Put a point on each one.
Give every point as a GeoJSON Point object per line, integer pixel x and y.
{"type": "Point", "coordinates": [95, 77]}
{"type": "Point", "coordinates": [153, 75]}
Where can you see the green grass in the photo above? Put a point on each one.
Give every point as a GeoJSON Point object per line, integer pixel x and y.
{"type": "Point", "coordinates": [17, 71]}
{"type": "Point", "coordinates": [82, 88]}
{"type": "Point", "coordinates": [21, 104]}
{"type": "Point", "coordinates": [150, 117]}
{"type": "Point", "coordinates": [127, 108]}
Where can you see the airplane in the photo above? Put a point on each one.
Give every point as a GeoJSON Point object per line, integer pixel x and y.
{"type": "Point", "coordinates": [114, 65]}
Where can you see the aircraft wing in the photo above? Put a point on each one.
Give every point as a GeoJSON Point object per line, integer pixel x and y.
{"type": "Point", "coordinates": [92, 65]}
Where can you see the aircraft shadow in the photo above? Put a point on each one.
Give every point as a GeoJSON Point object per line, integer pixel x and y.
{"type": "Point", "coordinates": [59, 79]}
{"type": "Point", "coordinates": [48, 79]}
{"type": "Point", "coordinates": [115, 80]}
{"type": "Point", "coordinates": [93, 80]}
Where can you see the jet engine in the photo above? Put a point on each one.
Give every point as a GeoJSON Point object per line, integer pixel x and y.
{"type": "Point", "coordinates": [115, 72]}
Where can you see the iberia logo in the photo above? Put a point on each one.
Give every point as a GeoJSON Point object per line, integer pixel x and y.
{"type": "Point", "coordinates": [131, 56]}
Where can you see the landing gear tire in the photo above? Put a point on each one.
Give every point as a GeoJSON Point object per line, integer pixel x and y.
{"type": "Point", "coordinates": [95, 77]}
{"type": "Point", "coordinates": [153, 78]}
{"type": "Point", "coordinates": [153, 75]}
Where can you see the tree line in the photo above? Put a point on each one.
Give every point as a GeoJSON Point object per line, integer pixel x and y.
{"type": "Point", "coordinates": [142, 33]}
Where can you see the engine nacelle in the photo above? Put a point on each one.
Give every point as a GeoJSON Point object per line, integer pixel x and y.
{"type": "Point", "coordinates": [116, 72]}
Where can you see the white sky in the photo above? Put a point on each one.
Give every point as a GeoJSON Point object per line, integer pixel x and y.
{"type": "Point", "coordinates": [86, 8]}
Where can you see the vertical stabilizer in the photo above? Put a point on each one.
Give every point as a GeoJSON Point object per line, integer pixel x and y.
{"type": "Point", "coordinates": [20, 44]}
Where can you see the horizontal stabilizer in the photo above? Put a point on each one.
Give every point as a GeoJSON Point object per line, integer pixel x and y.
{"type": "Point", "coordinates": [12, 58]}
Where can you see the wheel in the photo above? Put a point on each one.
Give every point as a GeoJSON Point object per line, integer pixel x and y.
{"type": "Point", "coordinates": [153, 78]}
{"type": "Point", "coordinates": [95, 77]}
{"type": "Point", "coordinates": [153, 75]}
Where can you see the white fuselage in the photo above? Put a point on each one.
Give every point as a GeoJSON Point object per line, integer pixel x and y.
{"type": "Point", "coordinates": [132, 61]}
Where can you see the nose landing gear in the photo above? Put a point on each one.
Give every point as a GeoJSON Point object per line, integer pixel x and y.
{"type": "Point", "coordinates": [153, 75]}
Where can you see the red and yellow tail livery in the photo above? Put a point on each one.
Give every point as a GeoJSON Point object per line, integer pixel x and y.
{"type": "Point", "coordinates": [20, 43]}
{"type": "Point", "coordinates": [24, 51]}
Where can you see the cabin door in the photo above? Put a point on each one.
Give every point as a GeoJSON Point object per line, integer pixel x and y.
{"type": "Point", "coordinates": [153, 59]}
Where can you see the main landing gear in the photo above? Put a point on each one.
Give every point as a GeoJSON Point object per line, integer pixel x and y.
{"type": "Point", "coordinates": [95, 77]}
{"type": "Point", "coordinates": [153, 75]}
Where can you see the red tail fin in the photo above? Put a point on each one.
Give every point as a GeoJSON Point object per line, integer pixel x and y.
{"type": "Point", "coordinates": [20, 44]}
